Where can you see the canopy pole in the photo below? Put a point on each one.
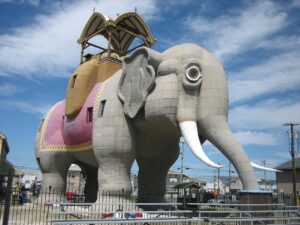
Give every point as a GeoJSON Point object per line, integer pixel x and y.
{"type": "Point", "coordinates": [109, 44]}
{"type": "Point", "coordinates": [81, 54]}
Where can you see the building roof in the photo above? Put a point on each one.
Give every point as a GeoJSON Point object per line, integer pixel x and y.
{"type": "Point", "coordinates": [3, 137]}
{"type": "Point", "coordinates": [74, 168]}
{"type": "Point", "coordinates": [197, 180]}
{"type": "Point", "coordinates": [122, 31]}
{"type": "Point", "coordinates": [6, 166]}
{"type": "Point", "coordinates": [288, 165]}
{"type": "Point", "coordinates": [185, 185]}
{"type": "Point", "coordinates": [36, 173]}
{"type": "Point", "coordinates": [173, 172]}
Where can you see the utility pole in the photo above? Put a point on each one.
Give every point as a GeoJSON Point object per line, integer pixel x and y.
{"type": "Point", "coordinates": [229, 176]}
{"type": "Point", "coordinates": [182, 157]}
{"type": "Point", "coordinates": [292, 153]}
{"type": "Point", "coordinates": [214, 180]}
{"type": "Point", "coordinates": [265, 174]}
{"type": "Point", "coordinates": [218, 181]}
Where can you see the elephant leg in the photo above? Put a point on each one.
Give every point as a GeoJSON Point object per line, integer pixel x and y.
{"type": "Point", "coordinates": [153, 173]}
{"type": "Point", "coordinates": [114, 183]}
{"type": "Point", "coordinates": [114, 175]}
{"type": "Point", "coordinates": [152, 179]}
{"type": "Point", "coordinates": [54, 167]}
{"type": "Point", "coordinates": [91, 184]}
{"type": "Point", "coordinates": [113, 147]}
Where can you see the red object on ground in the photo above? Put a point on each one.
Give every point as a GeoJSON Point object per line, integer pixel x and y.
{"type": "Point", "coordinates": [138, 215]}
{"type": "Point", "coordinates": [69, 194]}
{"type": "Point", "coordinates": [106, 215]}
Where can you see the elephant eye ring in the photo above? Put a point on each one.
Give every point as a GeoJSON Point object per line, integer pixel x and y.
{"type": "Point", "coordinates": [193, 73]}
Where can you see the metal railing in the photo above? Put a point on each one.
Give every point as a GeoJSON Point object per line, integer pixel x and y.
{"type": "Point", "coordinates": [57, 207]}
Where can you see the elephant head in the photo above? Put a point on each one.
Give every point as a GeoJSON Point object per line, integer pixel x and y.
{"type": "Point", "coordinates": [201, 99]}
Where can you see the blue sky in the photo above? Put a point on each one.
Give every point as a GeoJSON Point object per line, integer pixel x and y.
{"type": "Point", "coordinates": [258, 43]}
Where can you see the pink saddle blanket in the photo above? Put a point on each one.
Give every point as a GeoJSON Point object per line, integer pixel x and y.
{"type": "Point", "coordinates": [62, 133]}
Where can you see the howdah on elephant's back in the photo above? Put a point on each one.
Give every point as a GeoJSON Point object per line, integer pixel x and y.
{"type": "Point", "coordinates": [85, 77]}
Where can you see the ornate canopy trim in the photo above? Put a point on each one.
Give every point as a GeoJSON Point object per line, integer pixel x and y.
{"type": "Point", "coordinates": [119, 32]}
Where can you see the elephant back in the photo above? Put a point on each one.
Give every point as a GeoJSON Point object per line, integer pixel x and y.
{"type": "Point", "coordinates": [89, 73]}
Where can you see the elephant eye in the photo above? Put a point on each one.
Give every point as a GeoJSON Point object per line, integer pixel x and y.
{"type": "Point", "coordinates": [193, 73]}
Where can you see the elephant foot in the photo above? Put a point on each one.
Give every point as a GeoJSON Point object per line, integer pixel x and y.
{"type": "Point", "coordinates": [115, 203]}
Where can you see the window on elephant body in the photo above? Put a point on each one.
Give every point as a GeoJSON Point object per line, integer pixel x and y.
{"type": "Point", "coordinates": [89, 118]}
{"type": "Point", "coordinates": [41, 125]}
{"type": "Point", "coordinates": [101, 108]}
{"type": "Point", "coordinates": [73, 80]}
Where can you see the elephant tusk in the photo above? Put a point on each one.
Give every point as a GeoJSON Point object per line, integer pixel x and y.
{"type": "Point", "coordinates": [189, 132]}
{"type": "Point", "coordinates": [254, 165]}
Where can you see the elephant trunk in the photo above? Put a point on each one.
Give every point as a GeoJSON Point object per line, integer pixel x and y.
{"type": "Point", "coordinates": [186, 117]}
{"type": "Point", "coordinates": [216, 130]}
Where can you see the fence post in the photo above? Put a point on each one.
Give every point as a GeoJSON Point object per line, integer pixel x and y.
{"type": "Point", "coordinates": [8, 197]}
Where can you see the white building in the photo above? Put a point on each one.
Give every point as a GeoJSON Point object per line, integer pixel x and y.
{"type": "Point", "coordinates": [215, 185]}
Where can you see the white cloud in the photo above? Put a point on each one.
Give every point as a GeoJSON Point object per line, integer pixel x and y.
{"type": "Point", "coordinates": [280, 42]}
{"type": "Point", "coordinates": [176, 3]}
{"type": "Point", "coordinates": [284, 155]}
{"type": "Point", "coordinates": [296, 4]}
{"type": "Point", "coordinates": [31, 2]}
{"type": "Point", "coordinates": [246, 138]}
{"type": "Point", "coordinates": [228, 35]}
{"type": "Point", "coordinates": [26, 107]}
{"type": "Point", "coordinates": [277, 75]}
{"type": "Point", "coordinates": [8, 89]}
{"type": "Point", "coordinates": [256, 138]}
{"type": "Point", "coordinates": [267, 114]}
{"type": "Point", "coordinates": [48, 46]}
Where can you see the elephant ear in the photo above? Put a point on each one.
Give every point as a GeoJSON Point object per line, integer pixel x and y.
{"type": "Point", "coordinates": [137, 79]}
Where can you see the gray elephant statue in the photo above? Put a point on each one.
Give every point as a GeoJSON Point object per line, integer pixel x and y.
{"type": "Point", "coordinates": [139, 113]}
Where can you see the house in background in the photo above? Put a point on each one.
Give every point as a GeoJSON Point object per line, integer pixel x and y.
{"type": "Point", "coordinates": [174, 178]}
{"type": "Point", "coordinates": [31, 179]}
{"type": "Point", "coordinates": [236, 185]}
{"type": "Point", "coordinates": [134, 184]}
{"type": "Point", "coordinates": [75, 179]}
{"type": "Point", "coordinates": [201, 183]}
{"type": "Point", "coordinates": [213, 186]}
{"type": "Point", "coordinates": [268, 185]}
{"type": "Point", "coordinates": [285, 178]}
{"type": "Point", "coordinates": [6, 167]}
{"type": "Point", "coordinates": [4, 148]}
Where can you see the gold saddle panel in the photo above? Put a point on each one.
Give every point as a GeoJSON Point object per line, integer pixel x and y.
{"type": "Point", "coordinates": [84, 78]}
